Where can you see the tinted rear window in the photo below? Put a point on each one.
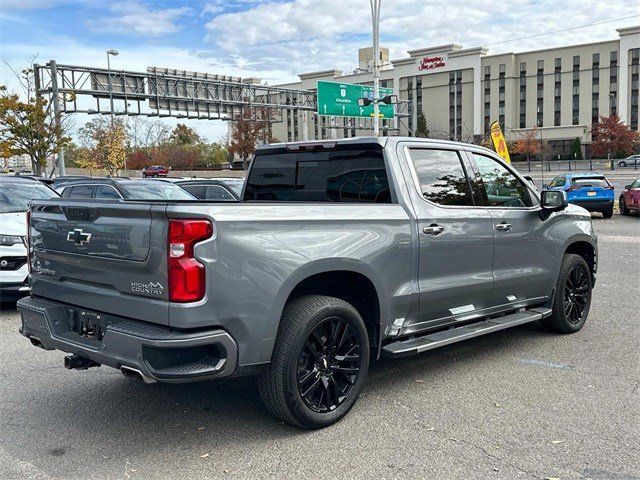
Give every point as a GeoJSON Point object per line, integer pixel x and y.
{"type": "Point", "coordinates": [346, 174]}
{"type": "Point", "coordinates": [591, 182]}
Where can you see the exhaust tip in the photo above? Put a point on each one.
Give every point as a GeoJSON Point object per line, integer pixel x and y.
{"type": "Point", "coordinates": [135, 373]}
{"type": "Point", "coordinates": [35, 341]}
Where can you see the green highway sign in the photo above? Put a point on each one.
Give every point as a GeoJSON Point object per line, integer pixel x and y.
{"type": "Point", "coordinates": [341, 99]}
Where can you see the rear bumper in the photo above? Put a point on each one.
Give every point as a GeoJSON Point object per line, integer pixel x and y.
{"type": "Point", "coordinates": [158, 353]}
{"type": "Point", "coordinates": [593, 205]}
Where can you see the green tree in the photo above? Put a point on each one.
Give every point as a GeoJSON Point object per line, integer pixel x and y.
{"type": "Point", "coordinates": [576, 148]}
{"type": "Point", "coordinates": [27, 126]}
{"type": "Point", "coordinates": [422, 130]}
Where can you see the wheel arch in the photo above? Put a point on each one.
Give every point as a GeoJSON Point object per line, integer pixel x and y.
{"type": "Point", "coordinates": [585, 248]}
{"type": "Point", "coordinates": [353, 282]}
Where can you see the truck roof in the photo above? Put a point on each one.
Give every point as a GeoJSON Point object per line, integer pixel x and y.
{"type": "Point", "coordinates": [382, 141]}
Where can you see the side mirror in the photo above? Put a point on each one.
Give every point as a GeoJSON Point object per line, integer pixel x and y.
{"type": "Point", "coordinates": [545, 185]}
{"type": "Point", "coordinates": [627, 187]}
{"type": "Point", "coordinates": [552, 201]}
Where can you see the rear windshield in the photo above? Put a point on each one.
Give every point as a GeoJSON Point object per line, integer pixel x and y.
{"type": "Point", "coordinates": [591, 182]}
{"type": "Point", "coordinates": [348, 173]}
{"type": "Point", "coordinates": [15, 196]}
{"type": "Point", "coordinates": [152, 190]}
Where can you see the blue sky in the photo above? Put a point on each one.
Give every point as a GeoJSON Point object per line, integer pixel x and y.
{"type": "Point", "coordinates": [276, 40]}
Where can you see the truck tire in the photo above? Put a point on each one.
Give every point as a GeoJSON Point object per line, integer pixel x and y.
{"type": "Point", "coordinates": [319, 363]}
{"type": "Point", "coordinates": [572, 298]}
{"type": "Point", "coordinates": [608, 213]}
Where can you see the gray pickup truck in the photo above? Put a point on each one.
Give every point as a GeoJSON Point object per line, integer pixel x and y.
{"type": "Point", "coordinates": [339, 252]}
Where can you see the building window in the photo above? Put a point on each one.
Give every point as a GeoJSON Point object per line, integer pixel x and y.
{"type": "Point", "coordinates": [540, 93]}
{"type": "Point", "coordinates": [557, 90]}
{"type": "Point", "coordinates": [410, 99]}
{"type": "Point", "coordinates": [575, 110]}
{"type": "Point", "coordinates": [501, 94]}
{"type": "Point", "coordinates": [455, 104]}
{"type": "Point", "coordinates": [419, 94]}
{"type": "Point", "coordinates": [613, 83]}
{"type": "Point", "coordinates": [487, 98]}
{"type": "Point", "coordinates": [635, 80]}
{"type": "Point", "coordinates": [523, 95]}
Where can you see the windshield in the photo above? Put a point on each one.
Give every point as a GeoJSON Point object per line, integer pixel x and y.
{"type": "Point", "coordinates": [15, 196]}
{"type": "Point", "coordinates": [152, 190]}
{"type": "Point", "coordinates": [591, 182]}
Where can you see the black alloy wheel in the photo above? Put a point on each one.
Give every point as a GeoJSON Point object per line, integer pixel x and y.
{"type": "Point", "coordinates": [576, 294]}
{"type": "Point", "coordinates": [328, 365]}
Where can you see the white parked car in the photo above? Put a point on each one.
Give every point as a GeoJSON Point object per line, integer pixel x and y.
{"type": "Point", "coordinates": [630, 161]}
{"type": "Point", "coordinates": [15, 194]}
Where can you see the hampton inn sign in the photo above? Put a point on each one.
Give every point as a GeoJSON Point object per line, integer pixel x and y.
{"type": "Point", "coordinates": [428, 63]}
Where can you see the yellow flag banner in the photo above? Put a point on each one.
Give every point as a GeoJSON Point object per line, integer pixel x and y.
{"type": "Point", "coordinates": [499, 143]}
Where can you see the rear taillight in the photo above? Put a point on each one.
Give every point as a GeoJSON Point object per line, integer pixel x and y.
{"type": "Point", "coordinates": [28, 238]}
{"type": "Point", "coordinates": [187, 280]}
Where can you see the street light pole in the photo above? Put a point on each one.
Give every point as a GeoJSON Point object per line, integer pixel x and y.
{"type": "Point", "coordinates": [375, 18]}
{"type": "Point", "coordinates": [109, 53]}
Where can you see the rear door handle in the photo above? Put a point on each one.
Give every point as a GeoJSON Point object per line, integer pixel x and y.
{"type": "Point", "coordinates": [433, 229]}
{"type": "Point", "coordinates": [503, 227]}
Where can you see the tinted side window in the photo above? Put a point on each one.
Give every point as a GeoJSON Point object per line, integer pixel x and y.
{"type": "Point", "coordinates": [503, 189]}
{"type": "Point", "coordinates": [442, 177]}
{"type": "Point", "coordinates": [216, 192]}
{"type": "Point", "coordinates": [81, 191]}
{"type": "Point", "coordinates": [346, 174]}
{"type": "Point", "coordinates": [106, 192]}
{"type": "Point", "coordinates": [195, 190]}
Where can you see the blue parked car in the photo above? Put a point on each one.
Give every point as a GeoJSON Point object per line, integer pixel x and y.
{"type": "Point", "coordinates": [589, 190]}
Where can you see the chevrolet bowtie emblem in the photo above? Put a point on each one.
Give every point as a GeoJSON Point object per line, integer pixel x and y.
{"type": "Point", "coordinates": [78, 237]}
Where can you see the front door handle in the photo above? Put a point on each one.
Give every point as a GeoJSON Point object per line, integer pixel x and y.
{"type": "Point", "coordinates": [503, 227]}
{"type": "Point", "coordinates": [433, 229]}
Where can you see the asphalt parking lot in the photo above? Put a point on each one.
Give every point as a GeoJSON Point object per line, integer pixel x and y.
{"type": "Point", "coordinates": [521, 403]}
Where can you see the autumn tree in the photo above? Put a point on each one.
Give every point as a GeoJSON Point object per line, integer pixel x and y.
{"type": "Point", "coordinates": [528, 143]}
{"type": "Point", "coordinates": [422, 131]}
{"type": "Point", "coordinates": [27, 124]}
{"type": "Point", "coordinates": [244, 136]}
{"type": "Point", "coordinates": [610, 135]}
{"type": "Point", "coordinates": [107, 144]}
{"type": "Point", "coordinates": [185, 136]}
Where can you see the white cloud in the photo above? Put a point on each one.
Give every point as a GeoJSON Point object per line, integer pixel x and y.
{"type": "Point", "coordinates": [305, 35]}
{"type": "Point", "coordinates": [135, 18]}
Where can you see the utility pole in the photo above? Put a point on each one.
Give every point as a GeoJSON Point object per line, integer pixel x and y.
{"type": "Point", "coordinates": [375, 18]}
{"type": "Point", "coordinates": [55, 98]}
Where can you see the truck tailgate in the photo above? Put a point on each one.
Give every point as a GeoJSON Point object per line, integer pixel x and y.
{"type": "Point", "coordinates": [101, 255]}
